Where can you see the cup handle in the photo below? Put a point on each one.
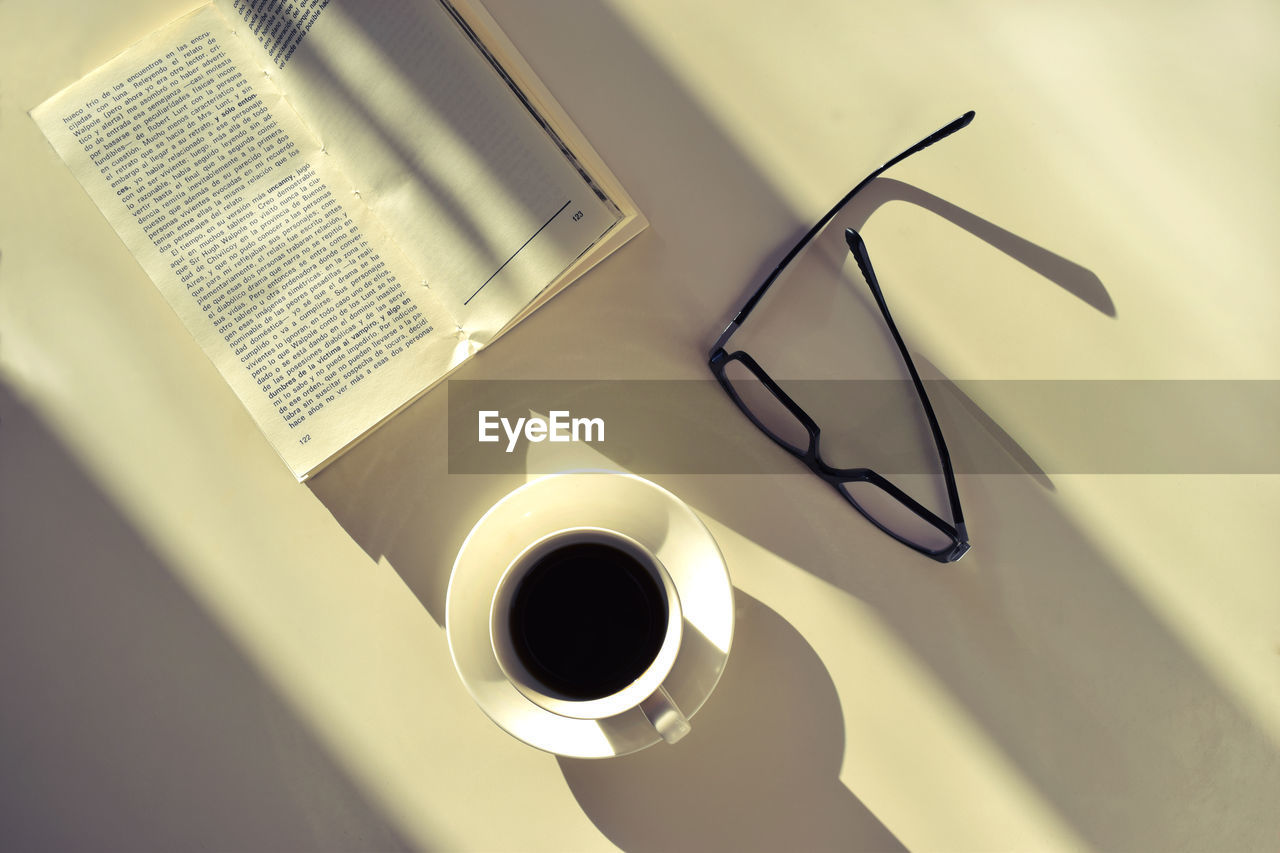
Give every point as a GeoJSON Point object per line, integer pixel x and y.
{"type": "Point", "coordinates": [662, 711]}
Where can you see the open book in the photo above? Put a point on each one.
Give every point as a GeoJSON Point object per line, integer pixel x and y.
{"type": "Point", "coordinates": [343, 201]}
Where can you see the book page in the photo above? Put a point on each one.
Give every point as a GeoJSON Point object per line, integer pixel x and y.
{"type": "Point", "coordinates": [255, 237]}
{"type": "Point", "coordinates": [482, 198]}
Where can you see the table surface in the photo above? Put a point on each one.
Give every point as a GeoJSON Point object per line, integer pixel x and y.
{"type": "Point", "coordinates": [198, 652]}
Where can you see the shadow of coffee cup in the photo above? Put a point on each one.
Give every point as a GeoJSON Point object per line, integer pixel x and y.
{"type": "Point", "coordinates": [586, 623]}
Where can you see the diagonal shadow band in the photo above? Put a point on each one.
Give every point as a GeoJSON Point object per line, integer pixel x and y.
{"type": "Point", "coordinates": [112, 670]}
{"type": "Point", "coordinates": [1043, 641]}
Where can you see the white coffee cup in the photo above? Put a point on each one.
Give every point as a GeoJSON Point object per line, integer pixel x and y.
{"type": "Point", "coordinates": [566, 604]}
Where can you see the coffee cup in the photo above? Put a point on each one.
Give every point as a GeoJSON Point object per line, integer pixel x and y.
{"type": "Point", "coordinates": [586, 623]}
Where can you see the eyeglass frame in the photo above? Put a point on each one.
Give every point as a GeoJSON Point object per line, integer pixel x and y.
{"type": "Point", "coordinates": [719, 358]}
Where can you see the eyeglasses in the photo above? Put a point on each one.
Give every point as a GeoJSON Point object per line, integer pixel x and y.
{"type": "Point", "coordinates": [759, 397]}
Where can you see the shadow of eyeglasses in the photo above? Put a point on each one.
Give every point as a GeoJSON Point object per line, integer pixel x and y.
{"type": "Point", "coordinates": [1070, 276]}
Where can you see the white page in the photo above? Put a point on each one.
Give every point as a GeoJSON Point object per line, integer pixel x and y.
{"type": "Point", "coordinates": [254, 236]}
{"type": "Point", "coordinates": [482, 199]}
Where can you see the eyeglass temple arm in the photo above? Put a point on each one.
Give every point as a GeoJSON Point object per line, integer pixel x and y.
{"type": "Point", "coordinates": [859, 249]}
{"type": "Point", "coordinates": [750, 304]}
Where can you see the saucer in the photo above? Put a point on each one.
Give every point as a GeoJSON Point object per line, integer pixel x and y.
{"type": "Point", "coordinates": [642, 510]}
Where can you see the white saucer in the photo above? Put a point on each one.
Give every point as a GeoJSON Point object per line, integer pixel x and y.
{"type": "Point", "coordinates": [636, 507]}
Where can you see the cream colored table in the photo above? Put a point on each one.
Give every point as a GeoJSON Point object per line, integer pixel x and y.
{"type": "Point", "coordinates": [196, 652]}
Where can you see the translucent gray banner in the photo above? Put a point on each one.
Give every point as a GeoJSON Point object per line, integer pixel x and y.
{"type": "Point", "coordinates": [1034, 427]}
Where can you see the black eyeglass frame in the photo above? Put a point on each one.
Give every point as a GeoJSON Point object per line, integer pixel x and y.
{"type": "Point", "coordinates": [719, 359]}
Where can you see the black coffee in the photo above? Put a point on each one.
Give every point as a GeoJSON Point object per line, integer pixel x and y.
{"type": "Point", "coordinates": [587, 619]}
